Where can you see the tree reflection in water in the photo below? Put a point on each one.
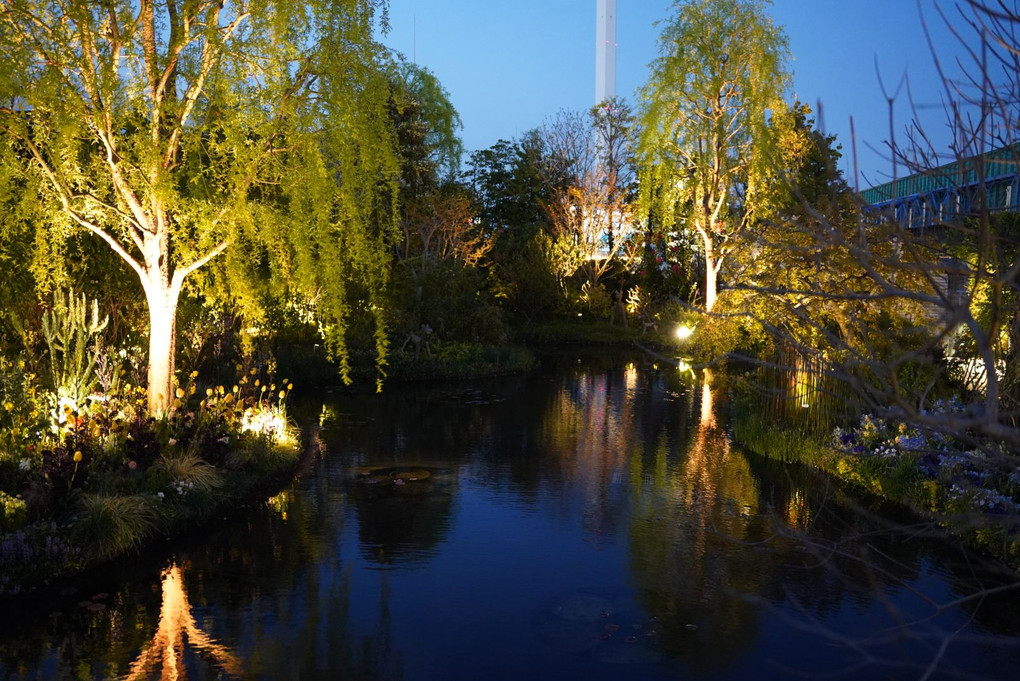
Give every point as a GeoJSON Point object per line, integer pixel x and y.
{"type": "Point", "coordinates": [166, 651]}
{"type": "Point", "coordinates": [579, 516]}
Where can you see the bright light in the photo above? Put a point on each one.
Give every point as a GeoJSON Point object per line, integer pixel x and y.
{"type": "Point", "coordinates": [683, 332]}
{"type": "Point", "coordinates": [269, 421]}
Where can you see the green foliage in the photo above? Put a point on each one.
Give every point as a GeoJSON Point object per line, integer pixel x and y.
{"type": "Point", "coordinates": [968, 493]}
{"type": "Point", "coordinates": [260, 131]}
{"type": "Point", "coordinates": [111, 525]}
{"type": "Point", "coordinates": [727, 330]}
{"type": "Point", "coordinates": [581, 331]}
{"type": "Point", "coordinates": [594, 300]}
{"type": "Point", "coordinates": [17, 241]}
{"type": "Point", "coordinates": [426, 124]}
{"type": "Point", "coordinates": [185, 472]}
{"type": "Point", "coordinates": [514, 180]}
{"type": "Point", "coordinates": [523, 276]}
{"type": "Point", "coordinates": [13, 512]}
{"type": "Point", "coordinates": [72, 337]}
{"type": "Point", "coordinates": [451, 299]}
{"type": "Point", "coordinates": [462, 360]}
{"type": "Point", "coordinates": [23, 419]}
{"type": "Point", "coordinates": [706, 145]}
{"type": "Point", "coordinates": [113, 476]}
{"type": "Point", "coordinates": [784, 444]}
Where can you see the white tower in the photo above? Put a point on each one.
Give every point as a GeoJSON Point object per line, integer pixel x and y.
{"type": "Point", "coordinates": [605, 51]}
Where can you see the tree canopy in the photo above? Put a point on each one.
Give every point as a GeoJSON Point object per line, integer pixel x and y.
{"type": "Point", "coordinates": [180, 132]}
{"type": "Point", "coordinates": [706, 140]}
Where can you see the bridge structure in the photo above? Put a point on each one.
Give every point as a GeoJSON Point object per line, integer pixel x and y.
{"type": "Point", "coordinates": [959, 189]}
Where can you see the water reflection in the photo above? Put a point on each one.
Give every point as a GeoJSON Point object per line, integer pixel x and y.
{"type": "Point", "coordinates": [165, 653]}
{"type": "Point", "coordinates": [404, 513]}
{"type": "Point", "coordinates": [560, 524]}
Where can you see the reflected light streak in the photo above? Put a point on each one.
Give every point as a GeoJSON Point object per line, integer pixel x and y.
{"type": "Point", "coordinates": [630, 376]}
{"type": "Point", "coordinates": [166, 650]}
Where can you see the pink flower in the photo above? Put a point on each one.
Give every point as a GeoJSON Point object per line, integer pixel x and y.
{"type": "Point", "coordinates": [132, 465]}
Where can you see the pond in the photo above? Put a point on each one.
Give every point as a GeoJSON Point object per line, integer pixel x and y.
{"type": "Point", "coordinates": [588, 520]}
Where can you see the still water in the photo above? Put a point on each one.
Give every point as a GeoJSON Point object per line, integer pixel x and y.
{"type": "Point", "coordinates": [590, 520]}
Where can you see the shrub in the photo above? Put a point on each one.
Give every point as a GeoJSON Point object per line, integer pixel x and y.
{"type": "Point", "coordinates": [13, 512]}
{"type": "Point", "coordinates": [23, 418]}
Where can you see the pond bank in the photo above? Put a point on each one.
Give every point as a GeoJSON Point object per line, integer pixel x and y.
{"type": "Point", "coordinates": [106, 527]}
{"type": "Point", "coordinates": [957, 493]}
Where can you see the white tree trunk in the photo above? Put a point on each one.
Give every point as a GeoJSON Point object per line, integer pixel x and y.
{"type": "Point", "coordinates": [711, 271]}
{"type": "Point", "coordinates": [162, 301]}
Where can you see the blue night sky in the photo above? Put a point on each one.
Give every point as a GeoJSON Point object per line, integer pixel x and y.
{"type": "Point", "coordinates": [509, 65]}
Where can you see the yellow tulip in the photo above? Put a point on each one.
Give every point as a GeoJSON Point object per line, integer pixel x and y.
{"type": "Point", "coordinates": [78, 457]}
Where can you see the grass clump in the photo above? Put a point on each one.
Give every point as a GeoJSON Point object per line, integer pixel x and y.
{"type": "Point", "coordinates": [111, 525]}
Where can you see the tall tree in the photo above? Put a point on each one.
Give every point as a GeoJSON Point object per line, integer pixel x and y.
{"type": "Point", "coordinates": [706, 141]}
{"type": "Point", "coordinates": [435, 211]}
{"type": "Point", "coordinates": [590, 216]}
{"type": "Point", "coordinates": [176, 131]}
{"type": "Point", "coordinates": [613, 124]}
{"type": "Point", "coordinates": [512, 180]}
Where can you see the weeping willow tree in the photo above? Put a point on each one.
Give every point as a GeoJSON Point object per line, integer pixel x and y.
{"type": "Point", "coordinates": [179, 132]}
{"type": "Point", "coordinates": [706, 142]}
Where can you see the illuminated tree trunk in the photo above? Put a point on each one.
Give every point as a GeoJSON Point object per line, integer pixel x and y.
{"type": "Point", "coordinates": [713, 263]}
{"type": "Point", "coordinates": [711, 272]}
{"type": "Point", "coordinates": [138, 91]}
{"type": "Point", "coordinates": [162, 301]}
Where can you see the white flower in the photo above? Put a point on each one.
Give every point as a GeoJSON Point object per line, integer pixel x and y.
{"type": "Point", "coordinates": [24, 464]}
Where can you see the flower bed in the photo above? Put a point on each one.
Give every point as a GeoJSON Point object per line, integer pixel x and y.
{"type": "Point", "coordinates": [82, 483]}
